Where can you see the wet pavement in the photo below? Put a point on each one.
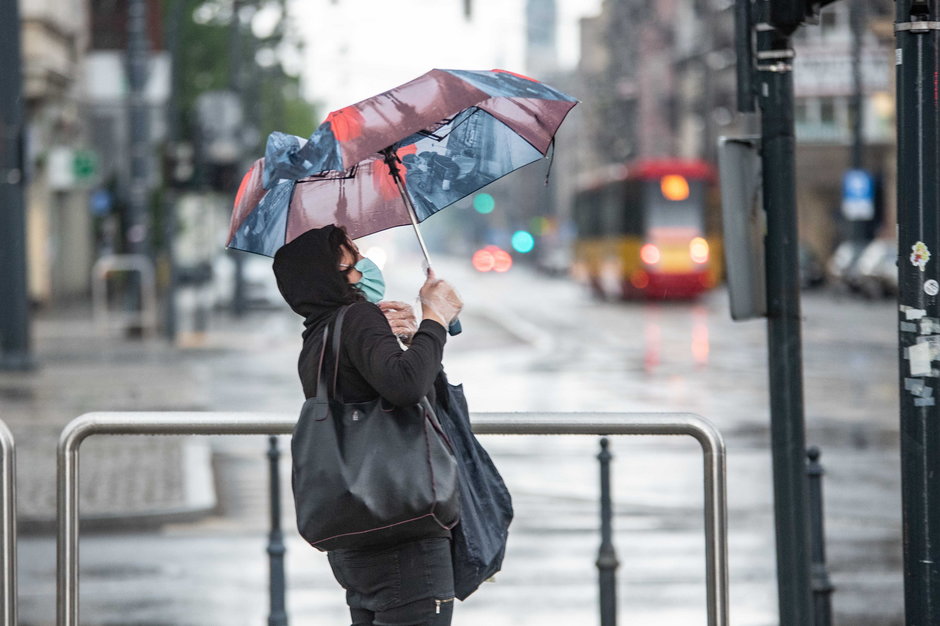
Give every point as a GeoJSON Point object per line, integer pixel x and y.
{"type": "Point", "coordinates": [530, 343]}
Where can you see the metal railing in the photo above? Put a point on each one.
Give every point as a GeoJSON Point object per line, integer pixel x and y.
{"type": "Point", "coordinates": [206, 423]}
{"type": "Point", "coordinates": [7, 526]}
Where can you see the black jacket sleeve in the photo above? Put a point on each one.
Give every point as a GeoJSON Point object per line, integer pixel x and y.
{"type": "Point", "coordinates": [400, 376]}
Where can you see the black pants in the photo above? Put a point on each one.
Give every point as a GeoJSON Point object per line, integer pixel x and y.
{"type": "Point", "coordinates": [407, 585]}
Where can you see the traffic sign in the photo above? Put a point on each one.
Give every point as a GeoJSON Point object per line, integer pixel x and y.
{"type": "Point", "coordinates": [858, 195]}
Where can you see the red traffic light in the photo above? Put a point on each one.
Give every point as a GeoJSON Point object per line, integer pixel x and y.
{"type": "Point", "coordinates": [491, 258]}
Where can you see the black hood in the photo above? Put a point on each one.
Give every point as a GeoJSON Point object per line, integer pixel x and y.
{"type": "Point", "coordinates": [308, 276]}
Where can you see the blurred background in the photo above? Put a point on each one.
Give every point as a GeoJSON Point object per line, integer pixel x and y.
{"type": "Point", "coordinates": [594, 281]}
{"type": "Point", "coordinates": [655, 82]}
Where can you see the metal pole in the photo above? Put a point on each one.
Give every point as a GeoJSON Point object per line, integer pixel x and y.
{"type": "Point", "coordinates": [137, 62]}
{"type": "Point", "coordinates": [857, 22]}
{"type": "Point", "coordinates": [8, 615]}
{"type": "Point", "coordinates": [206, 423]}
{"type": "Point", "coordinates": [14, 294]}
{"type": "Point", "coordinates": [775, 89]}
{"type": "Point", "coordinates": [235, 83]}
{"type": "Point", "coordinates": [917, 64]}
{"type": "Point", "coordinates": [173, 138]}
{"type": "Point", "coordinates": [276, 548]}
{"type": "Point", "coordinates": [858, 228]}
{"type": "Point", "coordinates": [822, 587]}
{"type": "Point", "coordinates": [607, 557]}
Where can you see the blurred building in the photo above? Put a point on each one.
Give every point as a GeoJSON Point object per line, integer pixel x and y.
{"type": "Point", "coordinates": [659, 79]}
{"type": "Point", "coordinates": [75, 86]}
{"type": "Point", "coordinates": [105, 92]}
{"type": "Point", "coordinates": [54, 39]}
{"type": "Point", "coordinates": [824, 87]}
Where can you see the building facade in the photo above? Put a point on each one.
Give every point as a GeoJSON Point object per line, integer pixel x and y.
{"type": "Point", "coordinates": [661, 79]}
{"type": "Point", "coordinates": [59, 250]}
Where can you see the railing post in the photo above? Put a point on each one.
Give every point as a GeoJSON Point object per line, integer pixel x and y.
{"type": "Point", "coordinates": [822, 588]}
{"type": "Point", "coordinates": [276, 548]}
{"type": "Point", "coordinates": [607, 557]}
{"type": "Point", "coordinates": [7, 527]}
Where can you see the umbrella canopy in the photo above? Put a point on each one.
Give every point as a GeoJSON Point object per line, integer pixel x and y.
{"type": "Point", "coordinates": [451, 131]}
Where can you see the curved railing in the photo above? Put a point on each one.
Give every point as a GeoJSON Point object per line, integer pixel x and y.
{"type": "Point", "coordinates": [197, 423]}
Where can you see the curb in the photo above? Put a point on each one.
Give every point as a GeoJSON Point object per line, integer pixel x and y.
{"type": "Point", "coordinates": [199, 501]}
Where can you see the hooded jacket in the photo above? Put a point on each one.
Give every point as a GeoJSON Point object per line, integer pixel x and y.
{"type": "Point", "coordinates": [371, 361]}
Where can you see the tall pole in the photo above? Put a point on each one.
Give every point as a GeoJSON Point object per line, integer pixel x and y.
{"type": "Point", "coordinates": [14, 310]}
{"type": "Point", "coordinates": [235, 84]}
{"type": "Point", "coordinates": [174, 24]}
{"type": "Point", "coordinates": [858, 228]}
{"type": "Point", "coordinates": [917, 31]}
{"type": "Point", "coordinates": [137, 59]}
{"type": "Point", "coordinates": [857, 22]}
{"type": "Point", "coordinates": [775, 96]}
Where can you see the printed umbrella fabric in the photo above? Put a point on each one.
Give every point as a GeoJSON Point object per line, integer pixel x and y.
{"type": "Point", "coordinates": [454, 131]}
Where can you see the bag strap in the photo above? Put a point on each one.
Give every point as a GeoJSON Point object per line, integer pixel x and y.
{"type": "Point", "coordinates": [337, 335]}
{"type": "Point", "coordinates": [322, 393]}
{"type": "Point", "coordinates": [321, 383]}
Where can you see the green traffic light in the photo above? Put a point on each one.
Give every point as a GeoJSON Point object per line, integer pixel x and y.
{"type": "Point", "coordinates": [523, 241]}
{"type": "Point", "coordinates": [484, 203]}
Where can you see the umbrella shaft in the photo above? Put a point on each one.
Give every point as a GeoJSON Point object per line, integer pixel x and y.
{"type": "Point", "coordinates": [411, 209]}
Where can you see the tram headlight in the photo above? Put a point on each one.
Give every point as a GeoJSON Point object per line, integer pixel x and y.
{"type": "Point", "coordinates": [698, 250]}
{"type": "Point", "coordinates": [650, 254]}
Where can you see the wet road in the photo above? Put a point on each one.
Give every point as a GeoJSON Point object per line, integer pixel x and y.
{"type": "Point", "coordinates": [537, 344]}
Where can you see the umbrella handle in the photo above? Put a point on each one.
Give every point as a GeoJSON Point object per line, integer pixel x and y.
{"type": "Point", "coordinates": [454, 328]}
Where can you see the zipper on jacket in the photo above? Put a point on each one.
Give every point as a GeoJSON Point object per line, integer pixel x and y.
{"type": "Point", "coordinates": [438, 603]}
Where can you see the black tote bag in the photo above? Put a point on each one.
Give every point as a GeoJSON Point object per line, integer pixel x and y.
{"type": "Point", "coordinates": [479, 540]}
{"type": "Point", "coordinates": [364, 473]}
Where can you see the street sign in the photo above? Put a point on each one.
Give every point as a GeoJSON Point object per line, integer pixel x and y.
{"type": "Point", "coordinates": [744, 225]}
{"type": "Point", "coordinates": [84, 165]}
{"type": "Point", "coordinates": [858, 196]}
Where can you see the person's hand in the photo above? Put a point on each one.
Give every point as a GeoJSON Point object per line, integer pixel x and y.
{"type": "Point", "coordinates": [439, 300]}
{"type": "Point", "coordinates": [401, 317]}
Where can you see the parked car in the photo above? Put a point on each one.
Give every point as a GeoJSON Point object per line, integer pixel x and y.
{"type": "Point", "coordinates": [842, 268]}
{"type": "Point", "coordinates": [259, 283]}
{"type": "Point", "coordinates": [812, 273]}
{"type": "Point", "coordinates": [878, 269]}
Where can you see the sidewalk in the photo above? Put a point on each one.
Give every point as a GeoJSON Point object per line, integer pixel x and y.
{"type": "Point", "coordinates": [124, 480]}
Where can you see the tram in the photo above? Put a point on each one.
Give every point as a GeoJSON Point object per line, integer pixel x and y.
{"type": "Point", "coordinates": [650, 229]}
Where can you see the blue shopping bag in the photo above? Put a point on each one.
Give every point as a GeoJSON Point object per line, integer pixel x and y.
{"type": "Point", "coordinates": [479, 540]}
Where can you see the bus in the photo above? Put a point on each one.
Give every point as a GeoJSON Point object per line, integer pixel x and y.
{"type": "Point", "coordinates": [650, 229]}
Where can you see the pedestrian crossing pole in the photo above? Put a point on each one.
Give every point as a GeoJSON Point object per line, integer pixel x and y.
{"type": "Point", "coordinates": [765, 80]}
{"type": "Point", "coordinates": [784, 336]}
{"type": "Point", "coordinates": [14, 298]}
{"type": "Point", "coordinates": [917, 30]}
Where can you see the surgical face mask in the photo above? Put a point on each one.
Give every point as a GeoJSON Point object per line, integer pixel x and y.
{"type": "Point", "coordinates": [372, 283]}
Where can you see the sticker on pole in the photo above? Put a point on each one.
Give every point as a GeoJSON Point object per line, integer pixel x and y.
{"type": "Point", "coordinates": [920, 255]}
{"type": "Point", "coordinates": [931, 287]}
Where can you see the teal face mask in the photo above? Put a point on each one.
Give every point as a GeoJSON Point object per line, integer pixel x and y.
{"type": "Point", "coordinates": [372, 283]}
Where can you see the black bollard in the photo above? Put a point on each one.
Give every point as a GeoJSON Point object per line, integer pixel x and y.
{"type": "Point", "coordinates": [276, 549]}
{"type": "Point", "coordinates": [822, 588]}
{"type": "Point", "coordinates": [607, 558]}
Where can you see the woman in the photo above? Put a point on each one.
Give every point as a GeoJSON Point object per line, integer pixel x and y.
{"type": "Point", "coordinates": [410, 582]}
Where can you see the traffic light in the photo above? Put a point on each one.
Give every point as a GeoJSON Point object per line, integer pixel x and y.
{"type": "Point", "coordinates": [787, 15]}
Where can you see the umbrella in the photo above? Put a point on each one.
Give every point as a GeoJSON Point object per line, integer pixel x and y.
{"type": "Point", "coordinates": [397, 157]}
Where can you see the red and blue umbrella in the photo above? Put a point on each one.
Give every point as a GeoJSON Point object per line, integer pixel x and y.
{"type": "Point", "coordinates": [396, 158]}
